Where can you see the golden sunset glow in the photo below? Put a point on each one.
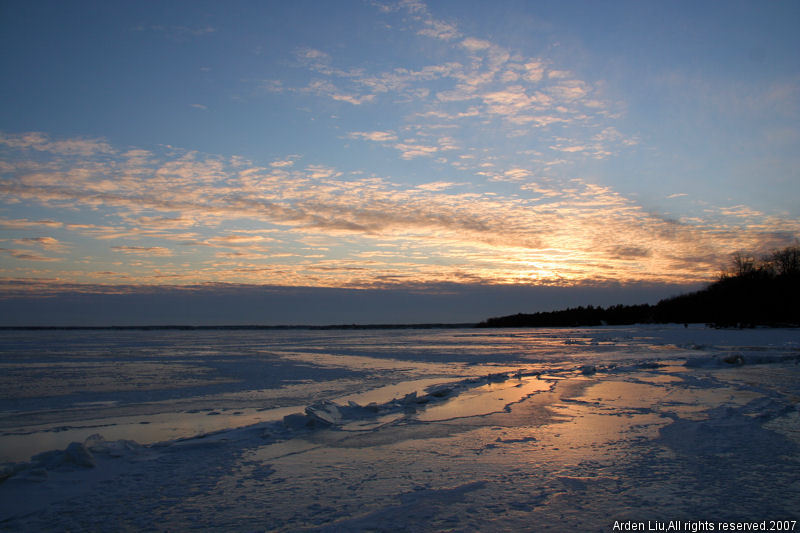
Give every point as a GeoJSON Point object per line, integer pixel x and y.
{"type": "Point", "coordinates": [481, 161]}
{"type": "Point", "coordinates": [189, 218]}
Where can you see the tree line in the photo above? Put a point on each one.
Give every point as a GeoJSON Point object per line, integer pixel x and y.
{"type": "Point", "coordinates": [753, 291]}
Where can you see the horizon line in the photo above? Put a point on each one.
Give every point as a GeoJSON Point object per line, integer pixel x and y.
{"type": "Point", "coordinates": [432, 325]}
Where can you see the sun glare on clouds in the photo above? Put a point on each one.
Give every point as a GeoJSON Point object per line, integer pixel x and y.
{"type": "Point", "coordinates": [233, 222]}
{"type": "Point", "coordinates": [476, 166]}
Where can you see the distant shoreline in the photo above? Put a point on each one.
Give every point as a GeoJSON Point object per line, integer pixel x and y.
{"type": "Point", "coordinates": [345, 327]}
{"type": "Point", "coordinates": [755, 293]}
{"type": "Point", "coordinates": [239, 327]}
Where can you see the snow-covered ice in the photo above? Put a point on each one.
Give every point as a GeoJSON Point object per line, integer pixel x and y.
{"type": "Point", "coordinates": [420, 430]}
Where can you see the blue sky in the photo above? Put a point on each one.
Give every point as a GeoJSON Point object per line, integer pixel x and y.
{"type": "Point", "coordinates": [393, 145]}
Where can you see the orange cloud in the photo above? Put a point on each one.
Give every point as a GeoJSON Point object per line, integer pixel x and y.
{"type": "Point", "coordinates": [326, 228]}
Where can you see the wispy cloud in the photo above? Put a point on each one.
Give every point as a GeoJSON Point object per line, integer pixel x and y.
{"type": "Point", "coordinates": [22, 223]}
{"type": "Point", "coordinates": [429, 26]}
{"type": "Point", "coordinates": [486, 174]}
{"type": "Point", "coordinates": [143, 250]}
{"type": "Point", "coordinates": [41, 142]}
{"type": "Point", "coordinates": [439, 30]}
{"type": "Point", "coordinates": [27, 255]}
{"type": "Point", "coordinates": [410, 150]}
{"type": "Point", "coordinates": [326, 88]}
{"type": "Point", "coordinates": [376, 136]}
{"type": "Point", "coordinates": [436, 186]}
{"type": "Point", "coordinates": [282, 163]}
{"type": "Point", "coordinates": [46, 243]}
{"type": "Point", "coordinates": [480, 85]}
{"type": "Point", "coordinates": [514, 174]}
{"type": "Point", "coordinates": [320, 226]}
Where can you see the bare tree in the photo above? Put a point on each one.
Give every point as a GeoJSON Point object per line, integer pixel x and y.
{"type": "Point", "coordinates": [743, 263]}
{"type": "Point", "coordinates": [787, 261]}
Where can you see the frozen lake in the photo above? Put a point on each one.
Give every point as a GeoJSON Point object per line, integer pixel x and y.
{"type": "Point", "coordinates": [453, 429]}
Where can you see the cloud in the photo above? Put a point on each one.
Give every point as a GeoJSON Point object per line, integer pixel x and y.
{"type": "Point", "coordinates": [514, 100]}
{"type": "Point", "coordinates": [742, 211]}
{"type": "Point", "coordinates": [40, 141]}
{"type": "Point", "coordinates": [436, 186]}
{"type": "Point", "coordinates": [235, 240]}
{"type": "Point", "coordinates": [439, 30]}
{"type": "Point", "coordinates": [515, 174]}
{"type": "Point", "coordinates": [241, 255]}
{"type": "Point", "coordinates": [282, 163]}
{"type": "Point", "coordinates": [312, 55]}
{"type": "Point", "coordinates": [352, 98]}
{"type": "Point", "coordinates": [629, 252]}
{"type": "Point", "coordinates": [570, 90]}
{"type": "Point", "coordinates": [283, 221]}
{"type": "Point", "coordinates": [559, 74]}
{"type": "Point", "coordinates": [432, 27]}
{"type": "Point", "coordinates": [375, 136]}
{"type": "Point", "coordinates": [47, 243]}
{"type": "Point", "coordinates": [413, 150]}
{"type": "Point", "coordinates": [473, 44]}
{"type": "Point", "coordinates": [570, 149]}
{"type": "Point", "coordinates": [477, 86]}
{"type": "Point", "coordinates": [17, 224]}
{"type": "Point", "coordinates": [143, 250]}
{"type": "Point", "coordinates": [325, 88]}
{"type": "Point", "coordinates": [477, 114]}
{"type": "Point", "coordinates": [27, 255]}
{"type": "Point", "coordinates": [482, 74]}
{"type": "Point", "coordinates": [534, 71]}
{"type": "Point", "coordinates": [321, 172]}
{"type": "Point", "coordinates": [163, 222]}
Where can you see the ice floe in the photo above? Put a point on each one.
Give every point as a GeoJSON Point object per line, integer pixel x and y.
{"type": "Point", "coordinates": [517, 431]}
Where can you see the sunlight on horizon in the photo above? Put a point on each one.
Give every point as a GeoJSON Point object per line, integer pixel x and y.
{"type": "Point", "coordinates": [435, 145]}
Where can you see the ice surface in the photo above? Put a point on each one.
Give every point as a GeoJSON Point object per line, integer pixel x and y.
{"type": "Point", "coordinates": [489, 430]}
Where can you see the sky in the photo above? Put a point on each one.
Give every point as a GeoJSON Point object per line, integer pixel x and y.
{"type": "Point", "coordinates": [462, 157]}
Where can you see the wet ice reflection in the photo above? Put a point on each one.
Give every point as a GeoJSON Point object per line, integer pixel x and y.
{"type": "Point", "coordinates": [21, 445]}
{"type": "Point", "coordinates": [485, 399]}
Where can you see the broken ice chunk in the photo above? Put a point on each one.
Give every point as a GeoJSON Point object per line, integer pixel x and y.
{"type": "Point", "coordinates": [325, 412]}
{"type": "Point", "coordinates": [296, 421]}
{"type": "Point", "coordinates": [76, 455]}
{"type": "Point", "coordinates": [441, 392]}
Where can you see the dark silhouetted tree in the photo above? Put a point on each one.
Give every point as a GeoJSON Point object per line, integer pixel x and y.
{"type": "Point", "coordinates": [751, 292]}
